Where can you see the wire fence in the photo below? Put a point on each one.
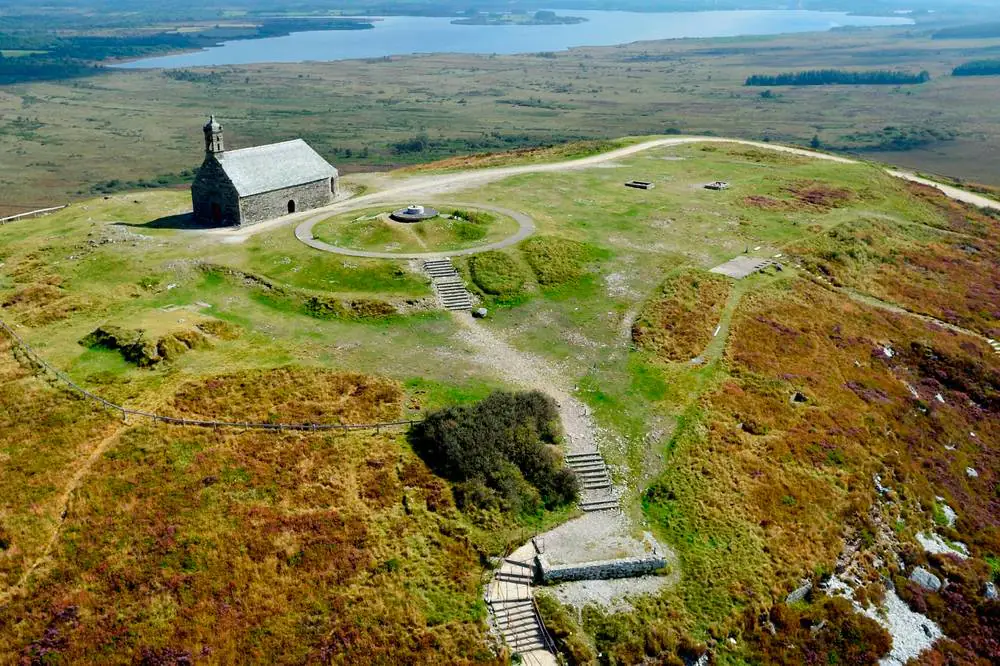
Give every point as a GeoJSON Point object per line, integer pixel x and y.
{"type": "Point", "coordinates": [126, 412]}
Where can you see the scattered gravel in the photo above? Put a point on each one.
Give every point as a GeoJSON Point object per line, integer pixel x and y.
{"type": "Point", "coordinates": [613, 595]}
{"type": "Point", "coordinates": [593, 537]}
{"type": "Point", "coordinates": [912, 633]}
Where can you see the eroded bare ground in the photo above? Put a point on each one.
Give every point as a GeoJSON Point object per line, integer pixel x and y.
{"type": "Point", "coordinates": [594, 536]}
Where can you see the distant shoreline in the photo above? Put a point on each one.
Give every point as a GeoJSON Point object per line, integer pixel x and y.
{"type": "Point", "coordinates": [538, 18]}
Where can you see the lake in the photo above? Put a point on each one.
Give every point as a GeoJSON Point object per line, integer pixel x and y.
{"type": "Point", "coordinates": [404, 35]}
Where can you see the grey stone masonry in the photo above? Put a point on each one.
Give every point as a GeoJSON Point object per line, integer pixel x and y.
{"type": "Point", "coordinates": [626, 567]}
{"type": "Point", "coordinates": [262, 183]}
{"type": "Point", "coordinates": [799, 593]}
{"type": "Point", "coordinates": [269, 205]}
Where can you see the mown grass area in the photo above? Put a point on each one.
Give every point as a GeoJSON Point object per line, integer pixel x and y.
{"type": "Point", "coordinates": [372, 230]}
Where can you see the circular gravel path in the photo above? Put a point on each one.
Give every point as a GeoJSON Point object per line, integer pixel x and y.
{"type": "Point", "coordinates": [526, 227]}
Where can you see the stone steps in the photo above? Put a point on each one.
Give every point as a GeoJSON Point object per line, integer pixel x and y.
{"type": "Point", "coordinates": [995, 345]}
{"type": "Point", "coordinates": [438, 268]}
{"type": "Point", "coordinates": [519, 563]}
{"type": "Point", "coordinates": [448, 285]}
{"type": "Point", "coordinates": [599, 505]}
{"type": "Point", "coordinates": [592, 475]}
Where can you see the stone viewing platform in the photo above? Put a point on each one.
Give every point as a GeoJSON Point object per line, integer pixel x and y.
{"type": "Point", "coordinates": [413, 213]}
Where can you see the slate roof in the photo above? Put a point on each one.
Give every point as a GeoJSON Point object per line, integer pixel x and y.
{"type": "Point", "coordinates": [274, 167]}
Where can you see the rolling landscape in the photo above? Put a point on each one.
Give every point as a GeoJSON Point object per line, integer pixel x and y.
{"type": "Point", "coordinates": [470, 399]}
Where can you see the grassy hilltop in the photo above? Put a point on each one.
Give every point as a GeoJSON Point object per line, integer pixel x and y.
{"type": "Point", "coordinates": [747, 418]}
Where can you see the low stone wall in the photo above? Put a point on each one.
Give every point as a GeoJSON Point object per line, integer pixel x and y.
{"type": "Point", "coordinates": [626, 567]}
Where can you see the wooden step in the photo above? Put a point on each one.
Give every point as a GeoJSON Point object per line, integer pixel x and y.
{"type": "Point", "coordinates": [519, 563]}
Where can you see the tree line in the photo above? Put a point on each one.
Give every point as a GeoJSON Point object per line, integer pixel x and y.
{"type": "Point", "coordinates": [977, 68]}
{"type": "Point", "coordinates": [824, 77]}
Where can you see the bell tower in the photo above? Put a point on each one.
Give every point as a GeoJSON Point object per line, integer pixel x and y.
{"type": "Point", "coordinates": [213, 137]}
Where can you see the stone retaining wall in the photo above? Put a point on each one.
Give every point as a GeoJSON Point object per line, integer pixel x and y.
{"type": "Point", "coordinates": [626, 567]}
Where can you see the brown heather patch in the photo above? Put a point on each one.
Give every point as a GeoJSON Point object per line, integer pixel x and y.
{"type": "Point", "coordinates": [291, 395]}
{"type": "Point", "coordinates": [765, 202]}
{"type": "Point", "coordinates": [256, 547]}
{"type": "Point", "coordinates": [44, 437]}
{"type": "Point", "coordinates": [950, 278]}
{"type": "Point", "coordinates": [677, 324]}
{"type": "Point", "coordinates": [765, 156]}
{"type": "Point", "coordinates": [544, 153]}
{"type": "Point", "coordinates": [814, 195]}
{"type": "Point", "coordinates": [859, 415]}
{"type": "Point", "coordinates": [957, 216]}
{"type": "Point", "coordinates": [761, 490]}
{"type": "Point", "coordinates": [43, 302]}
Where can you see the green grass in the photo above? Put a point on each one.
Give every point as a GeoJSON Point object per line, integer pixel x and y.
{"type": "Point", "coordinates": [458, 103]}
{"type": "Point", "coordinates": [556, 261]}
{"type": "Point", "coordinates": [498, 274]}
{"type": "Point", "coordinates": [372, 230]}
{"type": "Point", "coordinates": [748, 514]}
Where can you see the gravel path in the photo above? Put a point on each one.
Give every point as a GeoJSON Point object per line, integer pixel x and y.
{"type": "Point", "coordinates": [598, 535]}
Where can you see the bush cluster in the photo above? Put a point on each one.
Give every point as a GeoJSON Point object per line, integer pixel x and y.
{"type": "Point", "coordinates": [499, 453]}
{"type": "Point", "coordinates": [978, 68]}
{"type": "Point", "coordinates": [474, 216]}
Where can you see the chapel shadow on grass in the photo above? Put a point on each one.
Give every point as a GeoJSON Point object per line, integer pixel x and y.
{"type": "Point", "coordinates": [182, 221]}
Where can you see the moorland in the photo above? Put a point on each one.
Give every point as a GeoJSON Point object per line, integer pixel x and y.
{"type": "Point", "coordinates": [787, 426]}
{"type": "Point", "coordinates": [120, 130]}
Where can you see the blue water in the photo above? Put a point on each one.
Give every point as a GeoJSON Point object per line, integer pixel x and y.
{"type": "Point", "coordinates": [403, 35]}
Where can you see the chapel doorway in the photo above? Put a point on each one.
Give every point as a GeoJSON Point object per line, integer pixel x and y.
{"type": "Point", "coordinates": [216, 213]}
{"type": "Point", "coordinates": [291, 207]}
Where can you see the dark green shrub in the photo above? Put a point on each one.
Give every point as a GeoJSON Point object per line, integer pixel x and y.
{"type": "Point", "coordinates": [499, 453]}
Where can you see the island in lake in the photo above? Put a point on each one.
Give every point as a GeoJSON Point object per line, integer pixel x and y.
{"type": "Point", "coordinates": [514, 18]}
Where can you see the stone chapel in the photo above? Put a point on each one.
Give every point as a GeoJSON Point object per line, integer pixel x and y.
{"type": "Point", "coordinates": [251, 185]}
